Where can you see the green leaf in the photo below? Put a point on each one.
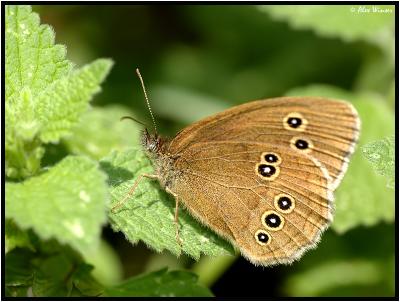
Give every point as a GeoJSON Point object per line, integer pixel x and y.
{"type": "Point", "coordinates": [44, 97]}
{"type": "Point", "coordinates": [349, 22]}
{"type": "Point", "coordinates": [17, 291]}
{"type": "Point", "coordinates": [333, 274]}
{"type": "Point", "coordinates": [60, 106]}
{"type": "Point", "coordinates": [66, 202]}
{"type": "Point", "coordinates": [100, 131]}
{"type": "Point", "coordinates": [32, 59]}
{"type": "Point", "coordinates": [160, 284]}
{"type": "Point", "coordinates": [149, 214]}
{"type": "Point", "coordinates": [85, 283]}
{"type": "Point", "coordinates": [363, 197]}
{"type": "Point", "coordinates": [52, 271]}
{"type": "Point", "coordinates": [52, 277]}
{"type": "Point", "coordinates": [15, 237]}
{"type": "Point", "coordinates": [32, 63]}
{"type": "Point", "coordinates": [22, 149]}
{"type": "Point", "coordinates": [18, 268]}
{"type": "Point", "coordinates": [63, 275]}
{"type": "Point", "coordinates": [381, 155]}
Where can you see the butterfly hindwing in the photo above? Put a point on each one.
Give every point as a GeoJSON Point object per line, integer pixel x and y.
{"type": "Point", "coordinates": [242, 190]}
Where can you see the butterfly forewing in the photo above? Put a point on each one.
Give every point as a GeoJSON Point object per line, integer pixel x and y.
{"type": "Point", "coordinates": [323, 128]}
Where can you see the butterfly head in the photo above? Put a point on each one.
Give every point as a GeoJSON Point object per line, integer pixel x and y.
{"type": "Point", "coordinates": [152, 143]}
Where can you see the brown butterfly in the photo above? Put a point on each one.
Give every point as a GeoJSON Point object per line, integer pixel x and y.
{"type": "Point", "coordinates": [261, 174]}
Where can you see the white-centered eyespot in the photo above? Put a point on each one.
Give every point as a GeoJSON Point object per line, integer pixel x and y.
{"type": "Point", "coordinates": [262, 237]}
{"type": "Point", "coordinates": [267, 172]}
{"type": "Point", "coordinates": [272, 220]}
{"type": "Point", "coordinates": [295, 121]}
{"type": "Point", "coordinates": [284, 203]}
{"type": "Point", "coordinates": [302, 144]}
{"type": "Point", "coordinates": [271, 158]}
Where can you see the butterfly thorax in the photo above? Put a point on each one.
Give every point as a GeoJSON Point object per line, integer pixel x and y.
{"type": "Point", "coordinates": [156, 149]}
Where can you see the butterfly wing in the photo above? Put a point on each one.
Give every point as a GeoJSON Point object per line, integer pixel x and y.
{"type": "Point", "coordinates": [326, 129]}
{"type": "Point", "coordinates": [222, 184]}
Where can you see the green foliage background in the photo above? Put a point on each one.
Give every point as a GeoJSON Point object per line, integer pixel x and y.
{"type": "Point", "coordinates": [68, 161]}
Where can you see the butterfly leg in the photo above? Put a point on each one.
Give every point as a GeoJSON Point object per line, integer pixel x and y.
{"type": "Point", "coordinates": [178, 238]}
{"type": "Point", "coordinates": [132, 190]}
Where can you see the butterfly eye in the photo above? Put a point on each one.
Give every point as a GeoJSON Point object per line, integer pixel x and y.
{"type": "Point", "coordinates": [302, 144]}
{"type": "Point", "coordinates": [284, 203]}
{"type": "Point", "coordinates": [268, 172]}
{"type": "Point", "coordinates": [272, 220]}
{"type": "Point", "coordinates": [294, 121]}
{"type": "Point", "coordinates": [262, 237]}
{"type": "Point", "coordinates": [271, 158]}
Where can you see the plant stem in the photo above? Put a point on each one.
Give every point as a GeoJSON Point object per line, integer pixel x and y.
{"type": "Point", "coordinates": [209, 269]}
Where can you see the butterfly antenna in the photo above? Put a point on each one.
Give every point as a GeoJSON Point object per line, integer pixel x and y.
{"type": "Point", "coordinates": [133, 119]}
{"type": "Point", "coordinates": [147, 99]}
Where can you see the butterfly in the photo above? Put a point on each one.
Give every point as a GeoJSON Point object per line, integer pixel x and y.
{"type": "Point", "coordinates": [262, 174]}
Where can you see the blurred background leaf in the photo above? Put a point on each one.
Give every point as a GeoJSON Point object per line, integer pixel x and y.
{"type": "Point", "coordinates": [330, 275]}
{"type": "Point", "coordinates": [371, 23]}
{"type": "Point", "coordinates": [100, 130]}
